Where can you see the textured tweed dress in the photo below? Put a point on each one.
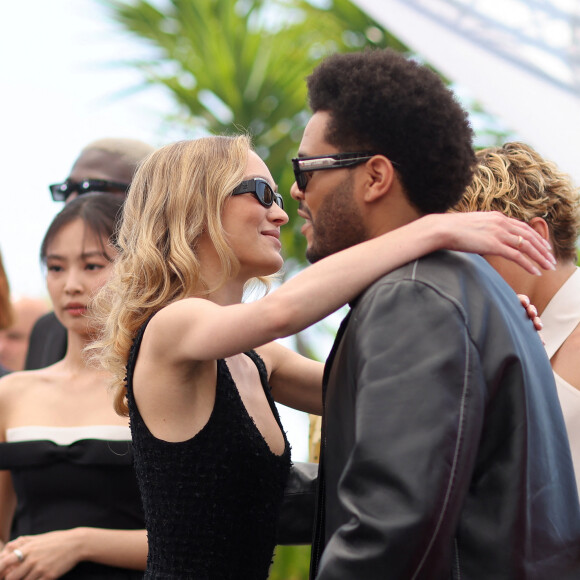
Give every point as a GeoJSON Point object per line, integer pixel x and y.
{"type": "Point", "coordinates": [211, 503]}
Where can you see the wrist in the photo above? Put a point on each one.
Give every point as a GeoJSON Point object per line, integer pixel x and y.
{"type": "Point", "coordinates": [435, 228]}
{"type": "Point", "coordinates": [80, 543]}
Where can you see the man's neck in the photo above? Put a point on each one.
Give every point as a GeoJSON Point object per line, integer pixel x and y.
{"type": "Point", "coordinates": [390, 217]}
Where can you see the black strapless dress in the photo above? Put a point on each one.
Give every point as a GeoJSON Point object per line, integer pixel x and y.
{"type": "Point", "coordinates": [89, 483]}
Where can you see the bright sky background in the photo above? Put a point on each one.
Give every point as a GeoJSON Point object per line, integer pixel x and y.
{"type": "Point", "coordinates": [59, 92]}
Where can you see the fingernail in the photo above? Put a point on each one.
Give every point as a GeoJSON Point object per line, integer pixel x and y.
{"type": "Point", "coordinates": [539, 323]}
{"type": "Point", "coordinates": [547, 244]}
{"type": "Point", "coordinates": [537, 272]}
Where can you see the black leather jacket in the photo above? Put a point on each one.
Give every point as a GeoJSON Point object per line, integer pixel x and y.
{"type": "Point", "coordinates": [444, 452]}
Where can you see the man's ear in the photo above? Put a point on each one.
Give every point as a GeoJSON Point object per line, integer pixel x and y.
{"type": "Point", "coordinates": [380, 177]}
{"type": "Point", "coordinates": [540, 225]}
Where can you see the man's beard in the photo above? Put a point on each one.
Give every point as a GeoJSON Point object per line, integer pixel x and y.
{"type": "Point", "coordinates": [339, 224]}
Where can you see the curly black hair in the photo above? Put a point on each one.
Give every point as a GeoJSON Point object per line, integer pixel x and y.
{"type": "Point", "coordinates": [381, 102]}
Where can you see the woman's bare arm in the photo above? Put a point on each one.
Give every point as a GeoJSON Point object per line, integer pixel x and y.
{"type": "Point", "coordinates": [197, 329]}
{"type": "Point", "coordinates": [296, 380]}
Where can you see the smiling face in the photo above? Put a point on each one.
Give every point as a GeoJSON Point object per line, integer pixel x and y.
{"type": "Point", "coordinates": [253, 231]}
{"type": "Point", "coordinates": [78, 264]}
{"type": "Point", "coordinates": [333, 219]}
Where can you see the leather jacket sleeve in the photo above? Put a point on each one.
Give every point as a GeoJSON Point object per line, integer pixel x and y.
{"type": "Point", "coordinates": [297, 514]}
{"type": "Point", "coordinates": [415, 381]}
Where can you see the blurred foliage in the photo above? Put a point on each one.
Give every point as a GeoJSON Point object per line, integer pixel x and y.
{"type": "Point", "coordinates": [240, 65]}
{"type": "Point", "coordinates": [290, 563]}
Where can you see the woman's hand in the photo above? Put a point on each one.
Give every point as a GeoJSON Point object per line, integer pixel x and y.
{"type": "Point", "coordinates": [496, 234]}
{"type": "Point", "coordinates": [531, 311]}
{"type": "Point", "coordinates": [40, 557]}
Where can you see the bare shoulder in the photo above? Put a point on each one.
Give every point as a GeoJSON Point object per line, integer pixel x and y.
{"type": "Point", "coordinates": [17, 381]}
{"type": "Point", "coordinates": [176, 311]}
{"type": "Point", "coordinates": [21, 388]}
{"type": "Point", "coordinates": [173, 319]}
{"type": "Point", "coordinates": [165, 339]}
{"type": "Point", "coordinates": [273, 354]}
{"type": "Point", "coordinates": [566, 361]}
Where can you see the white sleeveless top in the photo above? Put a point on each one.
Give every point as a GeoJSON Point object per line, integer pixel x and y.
{"type": "Point", "coordinates": [560, 318]}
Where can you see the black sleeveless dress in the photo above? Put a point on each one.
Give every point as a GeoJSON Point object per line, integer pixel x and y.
{"type": "Point", "coordinates": [212, 502]}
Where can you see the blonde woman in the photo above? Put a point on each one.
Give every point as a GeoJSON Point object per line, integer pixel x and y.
{"type": "Point", "coordinates": [201, 221]}
{"type": "Point", "coordinates": [65, 457]}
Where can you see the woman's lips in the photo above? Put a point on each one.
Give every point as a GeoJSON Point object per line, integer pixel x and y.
{"type": "Point", "coordinates": [76, 309]}
{"type": "Point", "coordinates": [274, 235]}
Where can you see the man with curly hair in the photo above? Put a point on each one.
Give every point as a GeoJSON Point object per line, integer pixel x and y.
{"type": "Point", "coordinates": [517, 181]}
{"type": "Point", "coordinates": [443, 453]}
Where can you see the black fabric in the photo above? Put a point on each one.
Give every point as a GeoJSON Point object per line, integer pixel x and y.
{"type": "Point", "coordinates": [211, 502]}
{"type": "Point", "coordinates": [297, 515]}
{"type": "Point", "coordinates": [47, 344]}
{"type": "Point", "coordinates": [318, 540]}
{"type": "Point", "coordinates": [89, 483]}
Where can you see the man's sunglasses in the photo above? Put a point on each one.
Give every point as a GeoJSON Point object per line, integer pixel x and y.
{"type": "Point", "coordinates": [262, 190]}
{"type": "Point", "coordinates": [304, 165]}
{"type": "Point", "coordinates": [62, 191]}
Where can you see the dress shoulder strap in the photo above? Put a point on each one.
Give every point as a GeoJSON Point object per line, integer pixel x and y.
{"type": "Point", "coordinates": [134, 351]}
{"type": "Point", "coordinates": [262, 371]}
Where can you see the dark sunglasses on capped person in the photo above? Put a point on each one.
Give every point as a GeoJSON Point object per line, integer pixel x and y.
{"type": "Point", "coordinates": [304, 165]}
{"type": "Point", "coordinates": [262, 190]}
{"type": "Point", "coordinates": [62, 191]}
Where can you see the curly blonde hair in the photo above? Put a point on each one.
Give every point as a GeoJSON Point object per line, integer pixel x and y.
{"type": "Point", "coordinates": [178, 192]}
{"type": "Point", "coordinates": [518, 182]}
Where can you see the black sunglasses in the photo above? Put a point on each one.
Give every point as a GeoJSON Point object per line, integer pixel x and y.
{"type": "Point", "coordinates": [304, 165]}
{"type": "Point", "coordinates": [62, 191]}
{"type": "Point", "coordinates": [262, 190]}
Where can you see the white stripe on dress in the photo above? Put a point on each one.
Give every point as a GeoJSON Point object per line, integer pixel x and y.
{"type": "Point", "coordinates": [68, 435]}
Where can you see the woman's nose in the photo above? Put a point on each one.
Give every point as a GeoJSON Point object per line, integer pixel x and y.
{"type": "Point", "coordinates": [277, 214]}
{"type": "Point", "coordinates": [73, 283]}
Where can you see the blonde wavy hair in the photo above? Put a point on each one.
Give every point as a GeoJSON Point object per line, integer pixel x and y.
{"type": "Point", "coordinates": [178, 192]}
{"type": "Point", "coordinates": [518, 182]}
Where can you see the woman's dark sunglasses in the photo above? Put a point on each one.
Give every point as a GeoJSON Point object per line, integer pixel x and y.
{"type": "Point", "coordinates": [262, 190]}
{"type": "Point", "coordinates": [62, 191]}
